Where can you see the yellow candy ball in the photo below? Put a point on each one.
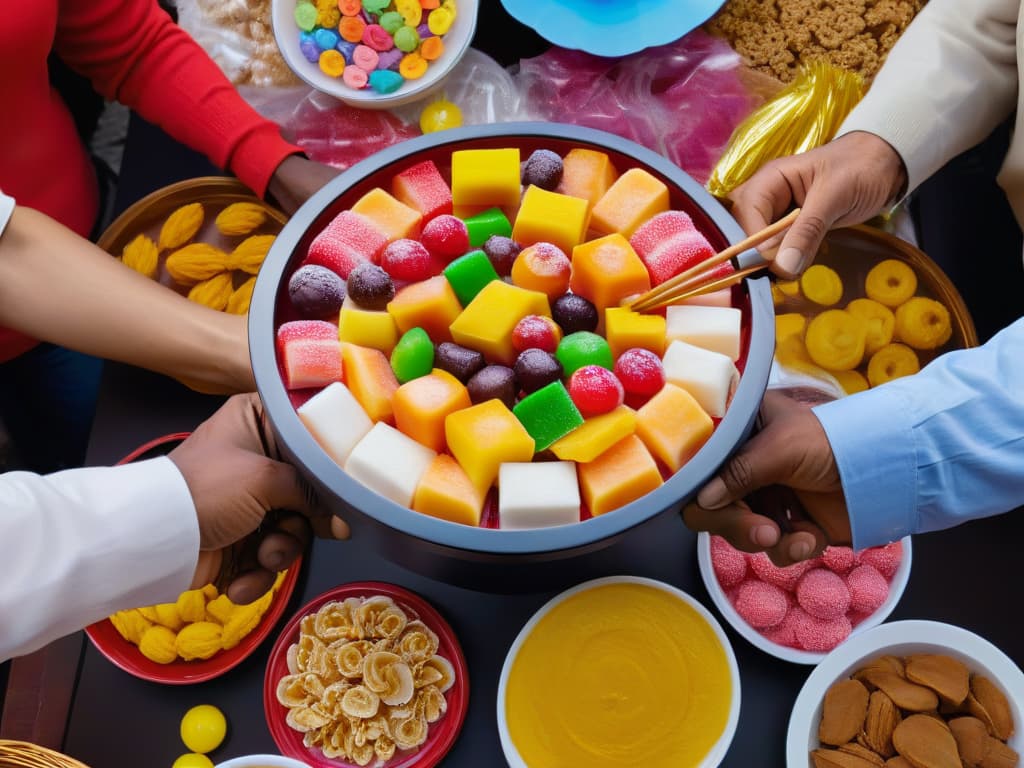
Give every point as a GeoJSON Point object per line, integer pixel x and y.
{"type": "Point", "coordinates": [439, 115]}
{"type": "Point", "coordinates": [203, 728]}
{"type": "Point", "coordinates": [193, 760]}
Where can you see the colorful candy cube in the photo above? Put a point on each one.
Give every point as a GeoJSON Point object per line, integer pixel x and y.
{"type": "Point", "coordinates": [469, 274]}
{"type": "Point", "coordinates": [304, 329]}
{"type": "Point", "coordinates": [596, 435]}
{"type": "Point", "coordinates": [422, 187]}
{"type": "Point", "coordinates": [390, 463]}
{"type": "Point", "coordinates": [391, 216]}
{"type": "Point", "coordinates": [336, 420]}
{"type": "Point", "coordinates": [311, 363]}
{"type": "Point", "coordinates": [367, 328]}
{"type": "Point", "coordinates": [587, 174]}
{"type": "Point", "coordinates": [709, 376]}
{"type": "Point", "coordinates": [622, 474]}
{"type": "Point", "coordinates": [368, 374]}
{"type": "Point", "coordinates": [486, 324]}
{"type": "Point", "coordinates": [714, 328]}
{"type": "Point", "coordinates": [624, 329]}
{"type": "Point", "coordinates": [552, 218]}
{"type": "Point", "coordinates": [607, 270]}
{"type": "Point", "coordinates": [485, 436]}
{"type": "Point", "coordinates": [548, 414]}
{"type": "Point", "coordinates": [445, 491]}
{"type": "Point", "coordinates": [635, 197]}
{"type": "Point", "coordinates": [673, 426]}
{"type": "Point", "coordinates": [669, 243]}
{"type": "Point", "coordinates": [485, 224]}
{"type": "Point", "coordinates": [538, 495]}
{"type": "Point", "coordinates": [422, 405]}
{"type": "Point", "coordinates": [485, 177]}
{"type": "Point", "coordinates": [348, 240]}
{"type": "Point", "coordinates": [431, 305]}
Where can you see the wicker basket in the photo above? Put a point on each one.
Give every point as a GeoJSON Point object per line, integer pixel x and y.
{"type": "Point", "coordinates": [20, 754]}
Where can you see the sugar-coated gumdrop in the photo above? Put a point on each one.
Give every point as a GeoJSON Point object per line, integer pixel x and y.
{"type": "Point", "coordinates": [784, 578]}
{"type": "Point", "coordinates": [729, 564]}
{"type": "Point", "coordinates": [542, 267]}
{"type": "Point", "coordinates": [838, 559]}
{"type": "Point", "coordinates": [761, 604]}
{"type": "Point", "coordinates": [439, 116]}
{"type": "Point", "coordinates": [885, 559]}
{"type": "Point", "coordinates": [536, 368]}
{"type": "Point", "coordinates": [446, 237]}
{"type": "Point", "coordinates": [574, 313]}
{"type": "Point", "coordinates": [583, 348]}
{"type": "Point", "coordinates": [868, 589]}
{"type": "Point", "coordinates": [784, 633]}
{"type": "Point", "coordinates": [823, 594]}
{"type": "Point", "coordinates": [457, 360]}
{"type": "Point", "coordinates": [413, 355]}
{"type": "Point", "coordinates": [536, 331]}
{"type": "Point", "coordinates": [493, 382]}
{"type": "Point", "coordinates": [370, 286]}
{"type": "Point", "coordinates": [641, 372]}
{"type": "Point", "coordinates": [595, 390]}
{"type": "Point", "coordinates": [410, 260]}
{"type": "Point", "coordinates": [316, 292]}
{"type": "Point", "coordinates": [192, 760]}
{"type": "Point", "coordinates": [820, 635]}
{"type": "Point", "coordinates": [203, 728]}
{"type": "Point", "coordinates": [502, 252]}
{"type": "Point", "coordinates": [543, 168]}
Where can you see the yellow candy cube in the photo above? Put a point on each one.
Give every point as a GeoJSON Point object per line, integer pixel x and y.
{"type": "Point", "coordinates": [485, 436]}
{"type": "Point", "coordinates": [368, 328]}
{"type": "Point", "coordinates": [622, 474]}
{"type": "Point", "coordinates": [445, 491]}
{"type": "Point", "coordinates": [392, 217]}
{"type": "Point", "coordinates": [607, 270]}
{"type": "Point", "coordinates": [673, 426]}
{"type": "Point", "coordinates": [551, 218]}
{"type": "Point", "coordinates": [634, 198]}
{"type": "Point", "coordinates": [485, 177]}
{"type": "Point", "coordinates": [487, 322]}
{"type": "Point", "coordinates": [429, 304]}
{"type": "Point", "coordinates": [596, 435]}
{"type": "Point", "coordinates": [625, 329]}
{"type": "Point", "coordinates": [421, 406]}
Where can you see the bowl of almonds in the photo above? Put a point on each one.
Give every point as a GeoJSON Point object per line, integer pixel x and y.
{"type": "Point", "coordinates": [909, 694]}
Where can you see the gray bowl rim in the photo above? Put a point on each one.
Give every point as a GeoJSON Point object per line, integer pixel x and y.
{"type": "Point", "coordinates": [307, 454]}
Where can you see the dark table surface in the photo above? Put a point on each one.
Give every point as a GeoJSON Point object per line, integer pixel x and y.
{"type": "Point", "coordinates": [961, 576]}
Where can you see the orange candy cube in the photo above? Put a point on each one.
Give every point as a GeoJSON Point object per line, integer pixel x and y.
{"type": "Point", "coordinates": [607, 270]}
{"type": "Point", "coordinates": [635, 197]}
{"type": "Point", "coordinates": [421, 406]}
{"type": "Point", "coordinates": [622, 474]}
{"type": "Point", "coordinates": [588, 174]}
{"type": "Point", "coordinates": [392, 217]}
{"type": "Point", "coordinates": [430, 304]}
{"type": "Point", "coordinates": [371, 380]}
{"type": "Point", "coordinates": [673, 426]}
{"type": "Point", "coordinates": [445, 491]}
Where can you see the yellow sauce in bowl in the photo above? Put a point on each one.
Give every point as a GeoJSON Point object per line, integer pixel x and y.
{"type": "Point", "coordinates": [619, 674]}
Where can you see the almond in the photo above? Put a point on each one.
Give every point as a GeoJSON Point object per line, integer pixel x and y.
{"type": "Point", "coordinates": [881, 720]}
{"type": "Point", "coordinates": [995, 704]}
{"type": "Point", "coordinates": [833, 758]}
{"type": "Point", "coordinates": [884, 664]}
{"type": "Point", "coordinates": [926, 743]}
{"type": "Point", "coordinates": [853, 748]}
{"type": "Point", "coordinates": [904, 694]}
{"type": "Point", "coordinates": [971, 739]}
{"type": "Point", "coordinates": [945, 675]}
{"type": "Point", "coordinates": [843, 712]}
{"type": "Point", "coordinates": [999, 755]}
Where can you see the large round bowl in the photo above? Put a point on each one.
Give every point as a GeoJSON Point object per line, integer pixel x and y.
{"type": "Point", "coordinates": [434, 546]}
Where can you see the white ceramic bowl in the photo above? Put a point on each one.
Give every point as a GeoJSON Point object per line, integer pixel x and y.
{"type": "Point", "coordinates": [456, 42]}
{"type": "Point", "coordinates": [896, 587]}
{"type": "Point", "coordinates": [717, 753]}
{"type": "Point", "coordinates": [261, 761]}
{"type": "Point", "coordinates": [900, 638]}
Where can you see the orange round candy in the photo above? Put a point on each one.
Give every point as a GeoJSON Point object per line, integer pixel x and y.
{"type": "Point", "coordinates": [542, 267]}
{"type": "Point", "coordinates": [412, 66]}
{"type": "Point", "coordinates": [351, 29]}
{"type": "Point", "coordinates": [432, 48]}
{"type": "Point", "coordinates": [332, 63]}
{"type": "Point", "coordinates": [350, 7]}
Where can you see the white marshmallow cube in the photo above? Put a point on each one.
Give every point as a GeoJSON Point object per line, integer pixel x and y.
{"type": "Point", "coordinates": [336, 420]}
{"type": "Point", "coordinates": [709, 376]}
{"type": "Point", "coordinates": [389, 462]}
{"type": "Point", "coordinates": [538, 495]}
{"type": "Point", "coordinates": [714, 328]}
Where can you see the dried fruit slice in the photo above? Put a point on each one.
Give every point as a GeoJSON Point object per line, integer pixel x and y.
{"type": "Point", "coordinates": [904, 694]}
{"type": "Point", "coordinates": [989, 697]}
{"type": "Point", "coordinates": [926, 742]}
{"type": "Point", "coordinates": [880, 319]}
{"type": "Point", "coordinates": [890, 282]}
{"type": "Point", "coordinates": [859, 750]}
{"type": "Point", "coordinates": [834, 758]}
{"type": "Point", "coordinates": [842, 712]}
{"type": "Point", "coordinates": [971, 738]}
{"type": "Point", "coordinates": [945, 675]}
{"type": "Point", "coordinates": [923, 323]}
{"type": "Point", "coordinates": [835, 340]}
{"type": "Point", "coordinates": [893, 361]}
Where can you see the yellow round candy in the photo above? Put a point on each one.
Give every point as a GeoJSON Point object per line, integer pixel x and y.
{"type": "Point", "coordinates": [332, 63]}
{"type": "Point", "coordinates": [411, 10]}
{"type": "Point", "coordinates": [835, 340]}
{"type": "Point", "coordinates": [890, 282]}
{"type": "Point", "coordinates": [821, 285]}
{"type": "Point", "coordinates": [440, 20]}
{"type": "Point", "coordinates": [892, 361]}
{"type": "Point", "coordinates": [880, 319]}
{"type": "Point", "coordinates": [412, 66]}
{"type": "Point", "coordinates": [851, 381]}
{"type": "Point", "coordinates": [440, 115]}
{"type": "Point", "coordinates": [193, 760]}
{"type": "Point", "coordinates": [203, 728]}
{"type": "Point", "coordinates": [923, 323]}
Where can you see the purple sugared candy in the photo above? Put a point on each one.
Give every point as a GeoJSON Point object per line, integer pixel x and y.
{"type": "Point", "coordinates": [493, 382]}
{"type": "Point", "coordinates": [574, 313]}
{"type": "Point", "coordinates": [536, 368]}
{"type": "Point", "coordinates": [543, 168]}
{"type": "Point", "coordinates": [502, 252]}
{"type": "Point", "coordinates": [316, 292]}
{"type": "Point", "coordinates": [370, 286]}
{"type": "Point", "coordinates": [459, 361]}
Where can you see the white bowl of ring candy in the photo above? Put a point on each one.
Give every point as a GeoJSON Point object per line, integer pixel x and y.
{"type": "Point", "coordinates": [374, 54]}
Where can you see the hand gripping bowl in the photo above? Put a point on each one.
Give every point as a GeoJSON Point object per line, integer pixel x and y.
{"type": "Point", "coordinates": [456, 552]}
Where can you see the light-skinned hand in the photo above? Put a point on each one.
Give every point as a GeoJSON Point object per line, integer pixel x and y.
{"type": "Point", "coordinates": [295, 180]}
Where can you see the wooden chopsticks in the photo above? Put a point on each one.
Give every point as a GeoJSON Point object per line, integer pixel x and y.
{"type": "Point", "coordinates": [696, 280]}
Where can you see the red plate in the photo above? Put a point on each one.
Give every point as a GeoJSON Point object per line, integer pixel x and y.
{"type": "Point", "coordinates": [120, 652]}
{"type": "Point", "coordinates": [441, 735]}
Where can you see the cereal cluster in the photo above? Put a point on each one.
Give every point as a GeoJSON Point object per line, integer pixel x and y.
{"type": "Point", "coordinates": [777, 36]}
{"type": "Point", "coordinates": [365, 680]}
{"type": "Point", "coordinates": [246, 24]}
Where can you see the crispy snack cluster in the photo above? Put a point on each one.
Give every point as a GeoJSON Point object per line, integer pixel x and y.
{"type": "Point", "coordinates": [365, 680]}
{"type": "Point", "coordinates": [777, 36]}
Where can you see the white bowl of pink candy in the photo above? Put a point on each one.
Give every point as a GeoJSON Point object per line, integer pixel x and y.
{"type": "Point", "coordinates": [440, 340]}
{"type": "Point", "coordinates": [802, 612]}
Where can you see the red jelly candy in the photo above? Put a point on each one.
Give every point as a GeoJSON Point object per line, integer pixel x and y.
{"type": "Point", "coordinates": [446, 237]}
{"type": "Point", "coordinates": [313, 330]}
{"type": "Point", "coordinates": [348, 240]}
{"type": "Point", "coordinates": [422, 187]}
{"type": "Point", "coordinates": [409, 260]}
{"type": "Point", "coordinates": [311, 363]}
{"type": "Point", "coordinates": [641, 373]}
{"type": "Point", "coordinates": [595, 390]}
{"type": "Point", "coordinates": [536, 331]}
{"type": "Point", "coordinates": [669, 243]}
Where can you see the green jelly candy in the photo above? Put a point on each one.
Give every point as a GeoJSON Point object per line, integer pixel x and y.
{"type": "Point", "coordinates": [548, 414]}
{"type": "Point", "coordinates": [408, 39]}
{"type": "Point", "coordinates": [375, 6]}
{"type": "Point", "coordinates": [490, 222]}
{"type": "Point", "coordinates": [392, 21]}
{"type": "Point", "coordinates": [305, 16]}
{"type": "Point", "coordinates": [468, 274]}
{"type": "Point", "coordinates": [413, 355]}
{"type": "Point", "coordinates": [583, 348]}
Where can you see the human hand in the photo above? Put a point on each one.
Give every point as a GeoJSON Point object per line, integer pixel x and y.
{"type": "Point", "coordinates": [792, 450]}
{"type": "Point", "coordinates": [296, 179]}
{"type": "Point", "coordinates": [231, 466]}
{"type": "Point", "coordinates": [844, 182]}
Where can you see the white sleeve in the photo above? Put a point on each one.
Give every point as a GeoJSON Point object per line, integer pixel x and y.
{"type": "Point", "coordinates": [81, 544]}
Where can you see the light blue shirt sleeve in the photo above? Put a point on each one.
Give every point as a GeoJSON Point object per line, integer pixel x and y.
{"type": "Point", "coordinates": [936, 449]}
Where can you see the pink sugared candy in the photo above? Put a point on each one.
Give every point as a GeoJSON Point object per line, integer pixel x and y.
{"type": "Point", "coordinates": [445, 237]}
{"type": "Point", "coordinates": [729, 564]}
{"type": "Point", "coordinates": [311, 363]}
{"type": "Point", "coordinates": [348, 240]}
{"type": "Point", "coordinates": [784, 578]}
{"type": "Point", "coordinates": [409, 260]}
{"type": "Point", "coordinates": [536, 332]}
{"type": "Point", "coordinates": [884, 559]}
{"type": "Point", "coordinates": [823, 594]}
{"type": "Point", "coordinates": [760, 604]}
{"type": "Point", "coordinates": [422, 187]}
{"type": "Point", "coordinates": [595, 390]}
{"type": "Point", "coordinates": [838, 559]}
{"type": "Point", "coordinates": [304, 329]}
{"type": "Point", "coordinates": [784, 633]}
{"type": "Point", "coordinates": [820, 635]}
{"type": "Point", "coordinates": [641, 373]}
{"type": "Point", "coordinates": [868, 589]}
{"type": "Point", "coordinates": [669, 243]}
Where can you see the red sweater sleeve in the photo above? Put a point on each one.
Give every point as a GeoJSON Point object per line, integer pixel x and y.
{"type": "Point", "coordinates": [133, 52]}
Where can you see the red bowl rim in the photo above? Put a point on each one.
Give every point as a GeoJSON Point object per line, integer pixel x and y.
{"type": "Point", "coordinates": [442, 734]}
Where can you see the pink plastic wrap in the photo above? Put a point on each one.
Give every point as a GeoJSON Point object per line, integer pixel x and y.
{"type": "Point", "coordinates": [682, 100]}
